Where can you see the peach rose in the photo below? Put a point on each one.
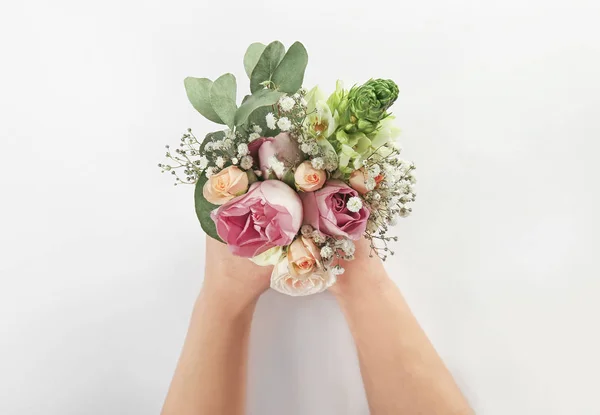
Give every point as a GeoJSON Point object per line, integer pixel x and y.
{"type": "Point", "coordinates": [225, 185]}
{"type": "Point", "coordinates": [358, 180]}
{"type": "Point", "coordinates": [303, 257]}
{"type": "Point", "coordinates": [309, 179]}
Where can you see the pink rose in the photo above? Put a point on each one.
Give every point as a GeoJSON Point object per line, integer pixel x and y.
{"type": "Point", "coordinates": [309, 179]}
{"type": "Point", "coordinates": [225, 185]}
{"type": "Point", "coordinates": [283, 147]}
{"type": "Point", "coordinates": [327, 210]}
{"type": "Point", "coordinates": [269, 215]}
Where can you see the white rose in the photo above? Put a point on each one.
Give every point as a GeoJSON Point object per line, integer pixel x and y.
{"type": "Point", "coordinates": [269, 257]}
{"type": "Point", "coordinates": [283, 282]}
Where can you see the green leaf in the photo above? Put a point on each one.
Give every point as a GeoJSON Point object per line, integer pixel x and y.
{"type": "Point", "coordinates": [268, 61]}
{"type": "Point", "coordinates": [203, 209]}
{"type": "Point", "coordinates": [289, 74]}
{"type": "Point", "coordinates": [258, 117]}
{"type": "Point", "coordinates": [222, 98]}
{"type": "Point", "coordinates": [261, 98]}
{"type": "Point", "coordinates": [289, 179]}
{"type": "Point", "coordinates": [198, 92]}
{"type": "Point", "coordinates": [252, 56]}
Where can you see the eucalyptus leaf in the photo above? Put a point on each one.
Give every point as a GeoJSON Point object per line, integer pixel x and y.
{"type": "Point", "coordinates": [261, 98]}
{"type": "Point", "coordinates": [289, 74]}
{"type": "Point", "coordinates": [252, 56]}
{"type": "Point", "coordinates": [222, 98]}
{"type": "Point", "coordinates": [203, 209]}
{"type": "Point", "coordinates": [268, 61]}
{"type": "Point", "coordinates": [198, 92]}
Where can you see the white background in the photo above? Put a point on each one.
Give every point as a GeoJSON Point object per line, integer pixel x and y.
{"type": "Point", "coordinates": [101, 257]}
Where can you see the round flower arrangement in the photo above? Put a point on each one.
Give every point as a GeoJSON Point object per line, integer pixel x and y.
{"type": "Point", "coordinates": [296, 176]}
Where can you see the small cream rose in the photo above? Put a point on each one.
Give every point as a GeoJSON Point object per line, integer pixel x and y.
{"type": "Point", "coordinates": [303, 257]}
{"type": "Point", "coordinates": [309, 179]}
{"type": "Point", "coordinates": [225, 185]}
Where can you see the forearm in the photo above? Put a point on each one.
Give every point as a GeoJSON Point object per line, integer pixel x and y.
{"type": "Point", "coordinates": [211, 374]}
{"type": "Point", "coordinates": [401, 371]}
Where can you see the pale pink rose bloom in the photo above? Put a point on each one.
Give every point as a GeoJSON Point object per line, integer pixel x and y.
{"type": "Point", "coordinates": [225, 185]}
{"type": "Point", "coordinates": [303, 257]}
{"type": "Point", "coordinates": [326, 211]}
{"type": "Point", "coordinates": [309, 179]}
{"type": "Point", "coordinates": [269, 215]}
{"type": "Point", "coordinates": [282, 146]}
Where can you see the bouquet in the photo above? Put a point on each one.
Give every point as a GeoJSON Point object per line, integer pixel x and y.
{"type": "Point", "coordinates": [296, 176]}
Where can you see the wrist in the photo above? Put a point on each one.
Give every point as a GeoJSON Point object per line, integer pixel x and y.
{"type": "Point", "coordinates": [230, 303]}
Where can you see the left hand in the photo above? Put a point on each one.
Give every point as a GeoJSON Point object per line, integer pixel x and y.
{"type": "Point", "coordinates": [230, 280]}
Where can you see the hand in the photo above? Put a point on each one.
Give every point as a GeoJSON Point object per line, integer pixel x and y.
{"type": "Point", "coordinates": [232, 281]}
{"type": "Point", "coordinates": [363, 274]}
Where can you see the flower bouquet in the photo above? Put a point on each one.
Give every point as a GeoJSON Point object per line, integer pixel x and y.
{"type": "Point", "coordinates": [296, 176]}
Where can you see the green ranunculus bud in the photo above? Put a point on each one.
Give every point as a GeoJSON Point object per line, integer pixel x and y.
{"type": "Point", "coordinates": [368, 103]}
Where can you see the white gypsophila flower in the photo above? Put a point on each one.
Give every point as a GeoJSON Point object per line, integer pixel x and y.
{"type": "Point", "coordinates": [209, 147]}
{"type": "Point", "coordinates": [209, 172]}
{"type": "Point", "coordinates": [253, 137]}
{"type": "Point", "coordinates": [284, 124]}
{"type": "Point", "coordinates": [354, 204]}
{"type": "Point", "coordinates": [326, 252]}
{"type": "Point", "coordinates": [203, 162]}
{"type": "Point", "coordinates": [306, 230]}
{"type": "Point", "coordinates": [246, 162]}
{"type": "Point", "coordinates": [277, 166]}
{"type": "Point", "coordinates": [271, 120]}
{"type": "Point", "coordinates": [229, 134]}
{"type": "Point", "coordinates": [370, 183]}
{"type": "Point", "coordinates": [305, 147]}
{"type": "Point", "coordinates": [347, 246]}
{"type": "Point", "coordinates": [286, 103]}
{"type": "Point", "coordinates": [235, 160]}
{"type": "Point", "coordinates": [376, 196]}
{"type": "Point", "coordinates": [374, 170]}
{"type": "Point", "coordinates": [303, 102]}
{"type": "Point", "coordinates": [296, 95]}
{"type": "Point", "coordinates": [393, 220]}
{"type": "Point", "coordinates": [337, 270]}
{"type": "Point", "coordinates": [318, 237]}
{"type": "Point", "coordinates": [404, 212]}
{"type": "Point", "coordinates": [318, 163]}
{"type": "Point", "coordinates": [256, 128]}
{"type": "Point", "coordinates": [242, 149]}
{"type": "Point", "coordinates": [220, 162]}
{"type": "Point", "coordinates": [217, 145]}
{"type": "Point", "coordinates": [227, 143]}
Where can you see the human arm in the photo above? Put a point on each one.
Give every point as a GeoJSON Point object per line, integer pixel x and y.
{"type": "Point", "coordinates": [402, 373]}
{"type": "Point", "coordinates": [210, 377]}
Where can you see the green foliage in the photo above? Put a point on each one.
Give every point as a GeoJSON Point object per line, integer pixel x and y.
{"type": "Point", "coordinates": [289, 179]}
{"type": "Point", "coordinates": [252, 56]}
{"type": "Point", "coordinates": [203, 209]}
{"type": "Point", "coordinates": [198, 92]}
{"type": "Point", "coordinates": [266, 65]}
{"type": "Point", "coordinates": [289, 74]}
{"type": "Point", "coordinates": [261, 98]}
{"type": "Point", "coordinates": [222, 98]}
